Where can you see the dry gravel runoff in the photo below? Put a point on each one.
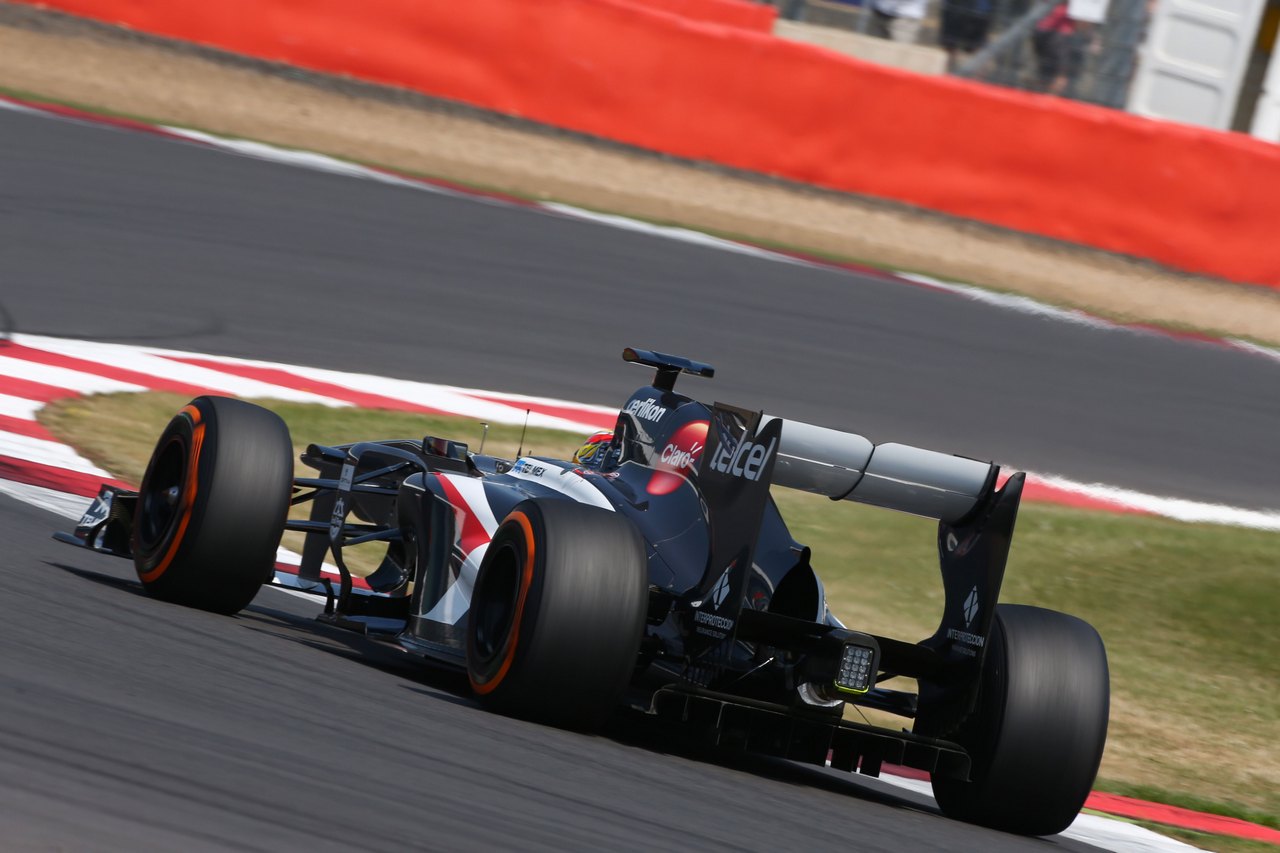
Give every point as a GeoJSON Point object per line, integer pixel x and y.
{"type": "Point", "coordinates": [52, 56]}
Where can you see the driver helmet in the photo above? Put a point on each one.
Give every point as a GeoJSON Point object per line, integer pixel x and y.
{"type": "Point", "coordinates": [592, 453]}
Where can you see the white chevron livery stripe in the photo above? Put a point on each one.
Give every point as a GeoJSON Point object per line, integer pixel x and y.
{"type": "Point", "coordinates": [472, 491]}
{"type": "Point", "coordinates": [456, 601]}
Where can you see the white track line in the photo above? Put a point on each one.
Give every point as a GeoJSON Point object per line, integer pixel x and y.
{"type": "Point", "coordinates": [305, 160]}
{"type": "Point", "coordinates": [19, 407]}
{"type": "Point", "coordinates": [346, 379]}
{"type": "Point", "coordinates": [6, 104]}
{"type": "Point", "coordinates": [1179, 509]}
{"type": "Point", "coordinates": [141, 360]}
{"type": "Point", "coordinates": [161, 363]}
{"type": "Point", "coordinates": [60, 503]}
{"type": "Point", "coordinates": [1105, 832]}
{"type": "Point", "coordinates": [1256, 349]}
{"type": "Point", "coordinates": [672, 232]}
{"type": "Point", "coordinates": [61, 377]}
{"type": "Point", "coordinates": [47, 453]}
{"type": "Point", "coordinates": [1120, 835]}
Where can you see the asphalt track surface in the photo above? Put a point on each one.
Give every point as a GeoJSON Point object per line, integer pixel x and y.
{"type": "Point", "coordinates": [126, 723]}
{"type": "Point", "coordinates": [130, 724]}
{"type": "Point", "coordinates": [119, 236]}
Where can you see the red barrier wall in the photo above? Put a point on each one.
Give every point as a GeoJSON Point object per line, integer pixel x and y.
{"type": "Point", "coordinates": [732, 13]}
{"type": "Point", "coordinates": [1198, 200]}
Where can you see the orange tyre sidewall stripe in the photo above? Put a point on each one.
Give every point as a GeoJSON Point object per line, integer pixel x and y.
{"type": "Point", "coordinates": [188, 495]}
{"type": "Point", "coordinates": [526, 581]}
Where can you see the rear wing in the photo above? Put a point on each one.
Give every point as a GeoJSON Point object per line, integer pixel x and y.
{"type": "Point", "coordinates": [845, 466]}
{"type": "Point", "coordinates": [747, 452]}
{"type": "Point", "coordinates": [975, 529]}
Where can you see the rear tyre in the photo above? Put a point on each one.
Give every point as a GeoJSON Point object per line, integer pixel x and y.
{"type": "Point", "coordinates": [212, 505]}
{"type": "Point", "coordinates": [1036, 739]}
{"type": "Point", "coordinates": [557, 613]}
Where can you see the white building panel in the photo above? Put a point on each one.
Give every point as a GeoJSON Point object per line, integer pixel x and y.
{"type": "Point", "coordinates": [1194, 60]}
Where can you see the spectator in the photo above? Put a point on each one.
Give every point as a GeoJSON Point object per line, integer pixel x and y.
{"type": "Point", "coordinates": [793, 10]}
{"type": "Point", "coordinates": [1059, 45]}
{"type": "Point", "coordinates": [964, 27]}
{"type": "Point", "coordinates": [897, 19]}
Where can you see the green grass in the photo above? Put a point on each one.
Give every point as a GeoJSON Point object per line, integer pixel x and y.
{"type": "Point", "coordinates": [1205, 841]}
{"type": "Point", "coordinates": [1188, 611]}
{"type": "Point", "coordinates": [1195, 803]}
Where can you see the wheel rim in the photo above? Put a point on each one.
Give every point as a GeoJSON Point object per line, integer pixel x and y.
{"type": "Point", "coordinates": [496, 603]}
{"type": "Point", "coordinates": [160, 504]}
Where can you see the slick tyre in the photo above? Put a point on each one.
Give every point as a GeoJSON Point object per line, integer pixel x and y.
{"type": "Point", "coordinates": [557, 613]}
{"type": "Point", "coordinates": [1037, 737]}
{"type": "Point", "coordinates": [212, 505]}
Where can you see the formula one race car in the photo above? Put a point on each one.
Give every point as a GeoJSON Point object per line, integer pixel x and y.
{"type": "Point", "coordinates": [652, 571]}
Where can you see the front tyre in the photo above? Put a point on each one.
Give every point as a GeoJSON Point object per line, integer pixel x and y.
{"type": "Point", "coordinates": [1036, 738]}
{"type": "Point", "coordinates": [557, 613]}
{"type": "Point", "coordinates": [212, 505]}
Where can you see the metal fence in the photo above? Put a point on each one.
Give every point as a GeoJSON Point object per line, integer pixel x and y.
{"type": "Point", "coordinates": [1023, 44]}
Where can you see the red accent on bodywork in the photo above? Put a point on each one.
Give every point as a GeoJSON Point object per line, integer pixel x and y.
{"type": "Point", "coordinates": [471, 532]}
{"type": "Point", "coordinates": [686, 447]}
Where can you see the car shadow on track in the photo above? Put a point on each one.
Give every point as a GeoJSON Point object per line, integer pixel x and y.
{"type": "Point", "coordinates": [637, 730]}
{"type": "Point", "coordinates": [129, 585]}
{"type": "Point", "coordinates": [627, 727]}
{"type": "Point", "coordinates": [306, 630]}
{"type": "Point", "coordinates": [441, 683]}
